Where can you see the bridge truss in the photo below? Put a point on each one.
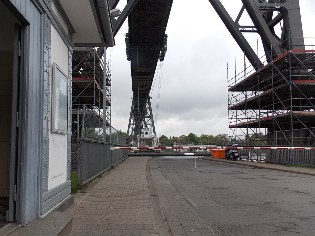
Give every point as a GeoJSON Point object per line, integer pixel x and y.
{"type": "Point", "coordinates": [146, 44]}
{"type": "Point", "coordinates": [277, 22]}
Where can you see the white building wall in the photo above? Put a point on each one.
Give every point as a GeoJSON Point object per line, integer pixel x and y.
{"type": "Point", "coordinates": [58, 143]}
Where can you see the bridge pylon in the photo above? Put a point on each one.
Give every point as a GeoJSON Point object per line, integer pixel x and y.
{"type": "Point", "coordinates": [141, 123]}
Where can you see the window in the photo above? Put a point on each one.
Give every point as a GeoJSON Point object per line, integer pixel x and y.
{"type": "Point", "coordinates": [59, 101]}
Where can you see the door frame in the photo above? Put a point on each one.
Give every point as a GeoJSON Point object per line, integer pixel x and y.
{"type": "Point", "coordinates": [15, 156]}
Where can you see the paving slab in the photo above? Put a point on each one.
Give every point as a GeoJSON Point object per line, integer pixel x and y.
{"type": "Point", "coordinates": [118, 204]}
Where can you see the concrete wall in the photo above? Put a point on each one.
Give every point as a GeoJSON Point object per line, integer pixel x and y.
{"type": "Point", "coordinates": [58, 143]}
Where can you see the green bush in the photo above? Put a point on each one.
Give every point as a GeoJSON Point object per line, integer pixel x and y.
{"type": "Point", "coordinates": [74, 181]}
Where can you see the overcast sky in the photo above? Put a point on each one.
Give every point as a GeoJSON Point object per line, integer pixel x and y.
{"type": "Point", "coordinates": [193, 91]}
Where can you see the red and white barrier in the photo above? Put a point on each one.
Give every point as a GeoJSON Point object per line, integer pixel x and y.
{"type": "Point", "coordinates": [269, 148]}
{"type": "Point", "coordinates": [160, 148]}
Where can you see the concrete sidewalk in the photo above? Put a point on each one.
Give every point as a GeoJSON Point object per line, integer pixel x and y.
{"type": "Point", "coordinates": [118, 204]}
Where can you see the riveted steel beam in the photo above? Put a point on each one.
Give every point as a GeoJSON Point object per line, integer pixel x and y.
{"type": "Point", "coordinates": [292, 35]}
{"type": "Point", "coordinates": [262, 13]}
{"type": "Point", "coordinates": [123, 16]}
{"type": "Point", "coordinates": [267, 37]}
{"type": "Point", "coordinates": [236, 33]}
{"type": "Point", "coordinates": [112, 4]}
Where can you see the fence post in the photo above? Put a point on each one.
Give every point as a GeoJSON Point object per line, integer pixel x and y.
{"type": "Point", "coordinates": [83, 122]}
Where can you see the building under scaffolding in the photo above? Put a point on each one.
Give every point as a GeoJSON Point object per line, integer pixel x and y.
{"type": "Point", "coordinates": [91, 98]}
{"type": "Point", "coordinates": [91, 92]}
{"type": "Point", "coordinates": [92, 134]}
{"type": "Point", "coordinates": [275, 105]}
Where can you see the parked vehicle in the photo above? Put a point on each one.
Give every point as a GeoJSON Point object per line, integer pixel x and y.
{"type": "Point", "coordinates": [232, 154]}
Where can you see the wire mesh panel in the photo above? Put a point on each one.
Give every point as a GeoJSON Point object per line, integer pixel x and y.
{"type": "Point", "coordinates": [94, 159]}
{"type": "Point", "coordinates": [118, 156]}
{"type": "Point", "coordinates": [253, 155]}
{"type": "Point", "coordinates": [120, 139]}
{"type": "Point", "coordinates": [87, 125]}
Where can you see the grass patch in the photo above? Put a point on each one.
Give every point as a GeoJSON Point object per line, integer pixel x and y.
{"type": "Point", "coordinates": [299, 165]}
{"type": "Point", "coordinates": [74, 181]}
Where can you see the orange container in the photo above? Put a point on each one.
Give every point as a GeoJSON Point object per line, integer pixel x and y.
{"type": "Point", "coordinates": [218, 153]}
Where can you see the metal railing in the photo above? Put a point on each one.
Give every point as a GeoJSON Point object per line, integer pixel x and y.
{"type": "Point", "coordinates": [292, 157]}
{"type": "Point", "coordinates": [91, 145]}
{"type": "Point", "coordinates": [118, 138]}
{"type": "Point", "coordinates": [93, 159]}
{"type": "Point", "coordinates": [304, 156]}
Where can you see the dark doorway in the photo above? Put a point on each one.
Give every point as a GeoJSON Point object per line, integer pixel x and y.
{"type": "Point", "coordinates": [10, 67]}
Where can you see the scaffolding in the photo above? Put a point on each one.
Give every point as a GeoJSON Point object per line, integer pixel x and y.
{"type": "Point", "coordinates": [91, 98]}
{"type": "Point", "coordinates": [275, 105]}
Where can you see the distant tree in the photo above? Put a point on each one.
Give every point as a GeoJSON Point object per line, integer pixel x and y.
{"type": "Point", "coordinates": [174, 141]}
{"type": "Point", "coordinates": [221, 139]}
{"type": "Point", "coordinates": [164, 140]}
{"type": "Point", "coordinates": [183, 140]}
{"type": "Point", "coordinates": [192, 139]}
{"type": "Point", "coordinates": [206, 140]}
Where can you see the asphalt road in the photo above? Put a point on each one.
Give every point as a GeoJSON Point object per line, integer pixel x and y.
{"type": "Point", "coordinates": [239, 200]}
